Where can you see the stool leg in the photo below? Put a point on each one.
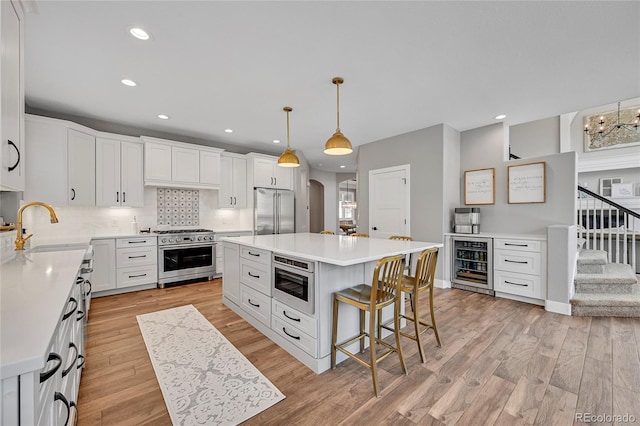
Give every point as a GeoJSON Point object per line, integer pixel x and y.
{"type": "Point", "coordinates": [433, 317]}
{"type": "Point", "coordinates": [396, 330]}
{"type": "Point", "coordinates": [362, 332]}
{"type": "Point", "coordinates": [372, 349]}
{"type": "Point", "coordinates": [334, 333]}
{"type": "Point", "coordinates": [416, 325]}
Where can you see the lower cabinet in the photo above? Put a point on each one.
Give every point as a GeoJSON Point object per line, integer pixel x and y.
{"type": "Point", "coordinates": [294, 326]}
{"type": "Point", "coordinates": [121, 263]}
{"type": "Point", "coordinates": [520, 267]}
{"type": "Point", "coordinates": [256, 304]}
{"type": "Point", "coordinates": [218, 236]}
{"type": "Point", "coordinates": [231, 277]}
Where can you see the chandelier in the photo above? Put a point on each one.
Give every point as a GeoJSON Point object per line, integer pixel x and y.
{"type": "Point", "coordinates": [348, 204]}
{"type": "Point", "coordinates": [605, 127]}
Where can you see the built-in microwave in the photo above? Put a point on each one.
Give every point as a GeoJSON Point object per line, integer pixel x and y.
{"type": "Point", "coordinates": [293, 283]}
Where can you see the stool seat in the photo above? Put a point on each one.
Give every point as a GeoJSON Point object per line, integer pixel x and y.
{"type": "Point", "coordinates": [362, 293]}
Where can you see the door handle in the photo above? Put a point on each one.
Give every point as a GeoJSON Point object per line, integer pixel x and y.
{"type": "Point", "coordinates": [375, 228]}
{"type": "Point", "coordinates": [117, 197]}
{"type": "Point", "coordinates": [73, 196]}
{"type": "Point", "coordinates": [124, 197]}
{"type": "Point", "coordinates": [12, 168]}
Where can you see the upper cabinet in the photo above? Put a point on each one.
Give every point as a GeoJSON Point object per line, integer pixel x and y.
{"type": "Point", "coordinates": [266, 173]}
{"type": "Point", "coordinates": [12, 151]}
{"type": "Point", "coordinates": [233, 186]}
{"type": "Point", "coordinates": [119, 178]}
{"type": "Point", "coordinates": [81, 154]}
{"type": "Point", "coordinates": [176, 164]}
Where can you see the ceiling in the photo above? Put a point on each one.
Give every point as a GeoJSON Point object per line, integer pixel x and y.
{"type": "Point", "coordinates": [213, 65]}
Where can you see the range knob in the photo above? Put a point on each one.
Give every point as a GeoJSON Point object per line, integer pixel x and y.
{"type": "Point", "coordinates": [171, 240]}
{"type": "Point", "coordinates": [210, 238]}
{"type": "Point", "coordinates": [164, 240]}
{"type": "Point", "coordinates": [200, 238]}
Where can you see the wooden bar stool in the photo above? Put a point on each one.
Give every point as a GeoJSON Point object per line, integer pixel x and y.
{"type": "Point", "coordinates": [387, 276]}
{"type": "Point", "coordinates": [327, 232]}
{"type": "Point", "coordinates": [420, 282]}
{"type": "Point", "coordinates": [360, 234]}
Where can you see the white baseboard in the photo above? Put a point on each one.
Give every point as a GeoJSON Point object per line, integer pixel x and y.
{"type": "Point", "coordinates": [442, 283]}
{"type": "Point", "coordinates": [558, 307]}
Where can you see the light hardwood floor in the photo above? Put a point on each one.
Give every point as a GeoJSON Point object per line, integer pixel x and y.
{"type": "Point", "coordinates": [502, 362]}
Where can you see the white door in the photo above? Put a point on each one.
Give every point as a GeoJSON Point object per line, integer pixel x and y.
{"type": "Point", "coordinates": [108, 172]}
{"type": "Point", "coordinates": [82, 169]}
{"type": "Point", "coordinates": [185, 165]}
{"type": "Point", "coordinates": [210, 168]}
{"type": "Point", "coordinates": [239, 183]}
{"type": "Point", "coordinates": [263, 173]}
{"type": "Point", "coordinates": [225, 194]}
{"type": "Point", "coordinates": [157, 161]}
{"type": "Point", "coordinates": [389, 202]}
{"type": "Point", "coordinates": [132, 182]}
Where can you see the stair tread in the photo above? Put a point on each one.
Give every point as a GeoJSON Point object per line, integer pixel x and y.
{"type": "Point", "coordinates": [591, 257]}
{"type": "Point", "coordinates": [614, 273]}
{"type": "Point", "coordinates": [596, 299]}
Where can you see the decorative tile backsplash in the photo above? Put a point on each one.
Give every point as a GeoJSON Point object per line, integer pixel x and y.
{"type": "Point", "coordinates": [178, 207]}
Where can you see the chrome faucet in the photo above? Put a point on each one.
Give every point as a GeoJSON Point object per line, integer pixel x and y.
{"type": "Point", "coordinates": [21, 241]}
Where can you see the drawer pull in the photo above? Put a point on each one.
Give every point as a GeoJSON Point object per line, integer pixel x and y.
{"type": "Point", "coordinates": [138, 242]}
{"type": "Point", "coordinates": [81, 315]}
{"type": "Point", "coordinates": [48, 374]}
{"type": "Point", "coordinates": [88, 291]}
{"type": "Point", "coordinates": [292, 319]}
{"type": "Point", "coordinates": [72, 310]}
{"type": "Point", "coordinates": [293, 337]}
{"type": "Point", "coordinates": [82, 360]}
{"type": "Point", "coordinates": [254, 254]}
{"type": "Point", "coordinates": [60, 397]}
{"type": "Point", "coordinates": [137, 276]}
{"type": "Point", "coordinates": [516, 245]}
{"type": "Point", "coordinates": [75, 359]}
{"type": "Point", "coordinates": [137, 257]}
{"type": "Point", "coordinates": [521, 285]}
{"type": "Point", "coordinates": [516, 261]}
{"type": "Point", "coordinates": [254, 276]}
{"type": "Point", "coordinates": [253, 304]}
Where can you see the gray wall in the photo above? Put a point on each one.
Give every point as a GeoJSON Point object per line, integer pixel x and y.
{"type": "Point", "coordinates": [482, 148]}
{"type": "Point", "coordinates": [536, 138]}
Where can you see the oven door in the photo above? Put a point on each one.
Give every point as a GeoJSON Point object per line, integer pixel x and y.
{"type": "Point", "coordinates": [186, 262]}
{"type": "Point", "coordinates": [294, 288]}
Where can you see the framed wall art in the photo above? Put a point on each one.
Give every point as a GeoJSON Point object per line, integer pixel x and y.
{"type": "Point", "coordinates": [527, 183]}
{"type": "Point", "coordinates": [479, 186]}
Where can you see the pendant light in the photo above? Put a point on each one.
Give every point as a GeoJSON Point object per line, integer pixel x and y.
{"type": "Point", "coordinates": [288, 157]}
{"type": "Point", "coordinates": [338, 144]}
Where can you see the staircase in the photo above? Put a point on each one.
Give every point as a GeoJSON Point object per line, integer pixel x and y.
{"type": "Point", "coordinates": [604, 289]}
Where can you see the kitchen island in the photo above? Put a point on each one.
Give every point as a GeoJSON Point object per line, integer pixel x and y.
{"type": "Point", "coordinates": [328, 263]}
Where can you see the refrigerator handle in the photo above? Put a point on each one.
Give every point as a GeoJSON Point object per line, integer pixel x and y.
{"type": "Point", "coordinates": [278, 216]}
{"type": "Point", "coordinates": [275, 214]}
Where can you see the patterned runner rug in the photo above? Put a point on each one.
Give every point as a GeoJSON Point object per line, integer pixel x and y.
{"type": "Point", "coordinates": [204, 379]}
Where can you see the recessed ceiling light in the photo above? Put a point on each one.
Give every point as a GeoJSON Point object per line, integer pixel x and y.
{"type": "Point", "coordinates": [343, 166]}
{"type": "Point", "coordinates": [139, 33]}
{"type": "Point", "coordinates": [500, 117]}
{"type": "Point", "coordinates": [228, 130]}
{"type": "Point", "coordinates": [163, 116]}
{"type": "Point", "coordinates": [276, 141]}
{"type": "Point", "coordinates": [128, 82]}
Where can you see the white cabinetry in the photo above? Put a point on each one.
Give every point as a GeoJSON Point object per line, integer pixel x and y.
{"type": "Point", "coordinates": [12, 149]}
{"type": "Point", "coordinates": [176, 164]}
{"type": "Point", "coordinates": [520, 268]}
{"type": "Point", "coordinates": [119, 178]}
{"type": "Point", "coordinates": [265, 172]}
{"type": "Point", "coordinates": [233, 181]}
{"type": "Point", "coordinates": [61, 168]}
{"type": "Point", "coordinates": [123, 263]}
{"type": "Point", "coordinates": [231, 279]}
{"type": "Point", "coordinates": [255, 283]}
{"type": "Point", "coordinates": [220, 251]}
{"type": "Point", "coordinates": [104, 265]}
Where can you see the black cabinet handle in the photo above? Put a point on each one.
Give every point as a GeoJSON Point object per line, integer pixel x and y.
{"type": "Point", "coordinates": [124, 197]}
{"type": "Point", "coordinates": [60, 397]}
{"type": "Point", "coordinates": [137, 276]}
{"type": "Point", "coordinates": [48, 374]}
{"type": "Point", "coordinates": [521, 285]}
{"type": "Point", "coordinates": [516, 245]}
{"type": "Point", "coordinates": [137, 257]}
{"type": "Point", "coordinates": [254, 276]}
{"type": "Point", "coordinates": [235, 201]}
{"type": "Point", "coordinates": [138, 242]}
{"type": "Point", "coordinates": [75, 359]}
{"type": "Point", "coordinates": [73, 196]}
{"type": "Point", "coordinates": [516, 261]}
{"type": "Point", "coordinates": [117, 197]}
{"type": "Point", "coordinates": [375, 228]}
{"type": "Point", "coordinates": [293, 337]}
{"type": "Point", "coordinates": [230, 200]}
{"type": "Point", "coordinates": [254, 254]}
{"type": "Point", "coordinates": [82, 360]}
{"type": "Point", "coordinates": [291, 318]}
{"type": "Point", "coordinates": [12, 168]}
{"type": "Point", "coordinates": [88, 291]}
{"type": "Point", "coordinates": [71, 311]}
{"type": "Point", "coordinates": [253, 304]}
{"type": "Point", "coordinates": [81, 315]}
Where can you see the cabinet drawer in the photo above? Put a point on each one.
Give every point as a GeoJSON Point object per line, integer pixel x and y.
{"type": "Point", "coordinates": [136, 256]}
{"type": "Point", "coordinates": [520, 284]}
{"type": "Point", "coordinates": [137, 275]}
{"type": "Point", "coordinates": [136, 242]}
{"type": "Point", "coordinates": [256, 304]}
{"type": "Point", "coordinates": [256, 276]}
{"type": "Point", "coordinates": [295, 336]}
{"type": "Point", "coordinates": [523, 262]}
{"type": "Point", "coordinates": [259, 256]}
{"type": "Point", "coordinates": [290, 316]}
{"type": "Point", "coordinates": [518, 245]}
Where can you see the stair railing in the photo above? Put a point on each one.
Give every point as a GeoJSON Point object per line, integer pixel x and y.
{"type": "Point", "coordinates": [606, 225]}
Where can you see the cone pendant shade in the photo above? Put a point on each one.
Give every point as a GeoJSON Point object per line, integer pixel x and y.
{"type": "Point", "coordinates": [338, 144]}
{"type": "Point", "coordinates": [288, 157]}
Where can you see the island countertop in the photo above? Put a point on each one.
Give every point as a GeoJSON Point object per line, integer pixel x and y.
{"type": "Point", "coordinates": [35, 289]}
{"type": "Point", "coordinates": [338, 250]}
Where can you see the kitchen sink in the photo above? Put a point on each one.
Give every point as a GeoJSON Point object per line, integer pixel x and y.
{"type": "Point", "coordinates": [58, 247]}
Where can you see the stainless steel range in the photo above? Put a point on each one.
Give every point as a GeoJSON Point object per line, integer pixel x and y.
{"type": "Point", "coordinates": [185, 255]}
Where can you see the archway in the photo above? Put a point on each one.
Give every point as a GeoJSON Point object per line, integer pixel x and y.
{"type": "Point", "coordinates": [316, 206]}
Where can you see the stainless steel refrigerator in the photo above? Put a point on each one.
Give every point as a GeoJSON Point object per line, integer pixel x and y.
{"type": "Point", "coordinates": [274, 211]}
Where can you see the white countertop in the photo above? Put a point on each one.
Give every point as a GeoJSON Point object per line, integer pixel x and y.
{"type": "Point", "coordinates": [34, 289]}
{"type": "Point", "coordinates": [334, 249]}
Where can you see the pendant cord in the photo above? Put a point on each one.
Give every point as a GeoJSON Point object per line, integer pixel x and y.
{"type": "Point", "coordinates": [288, 145]}
{"type": "Point", "coordinates": [338, 108]}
